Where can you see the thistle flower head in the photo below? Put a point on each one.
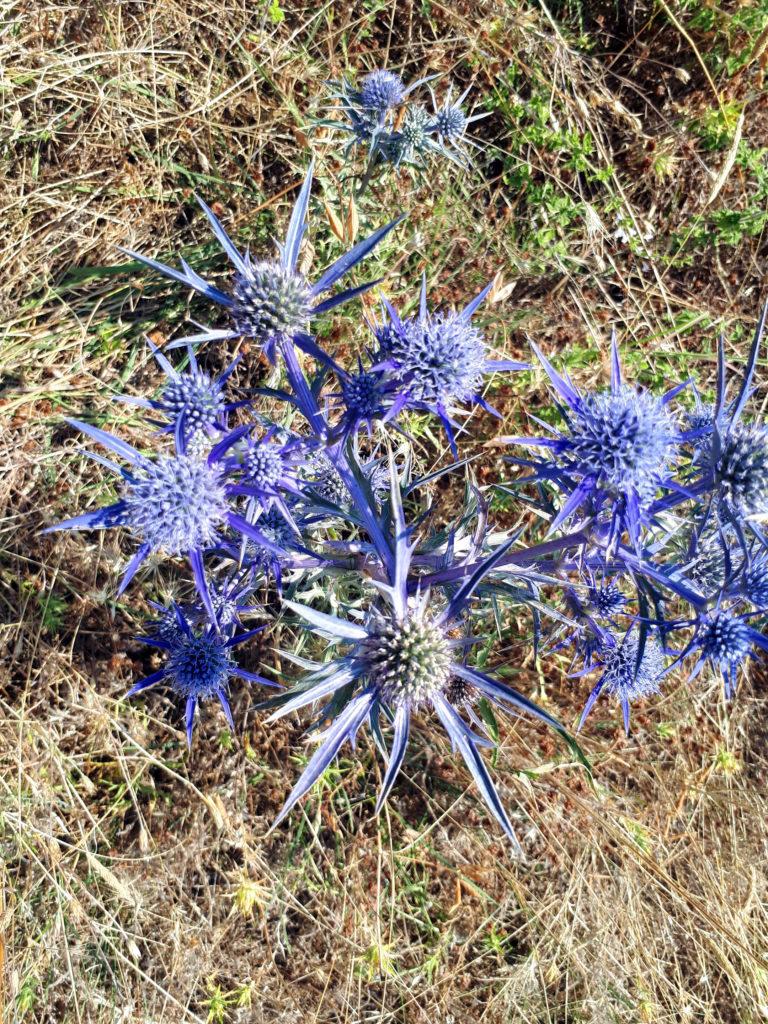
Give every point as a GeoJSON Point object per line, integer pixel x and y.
{"type": "Point", "coordinates": [709, 569]}
{"type": "Point", "coordinates": [194, 398]}
{"type": "Point", "coordinates": [199, 666]}
{"type": "Point", "coordinates": [363, 396]}
{"type": "Point", "coordinates": [450, 122]}
{"type": "Point", "coordinates": [175, 504]}
{"type": "Point", "coordinates": [412, 140]}
{"type": "Point", "coordinates": [404, 656]}
{"type": "Point", "coordinates": [625, 679]}
{"type": "Point", "coordinates": [616, 450]}
{"type": "Point", "coordinates": [741, 469]}
{"type": "Point", "coordinates": [406, 660]}
{"type": "Point", "coordinates": [442, 357]}
{"type": "Point", "coordinates": [606, 600]}
{"type": "Point", "coordinates": [415, 128]}
{"type": "Point", "coordinates": [270, 302]}
{"type": "Point", "coordinates": [191, 400]}
{"type": "Point", "coordinates": [199, 661]}
{"type": "Point", "coordinates": [623, 440]}
{"type": "Point", "coordinates": [437, 359]}
{"type": "Point", "coordinates": [381, 90]}
{"type": "Point", "coordinates": [264, 465]}
{"type": "Point", "coordinates": [755, 584]}
{"type": "Point", "coordinates": [724, 639]}
{"type": "Point", "coordinates": [267, 558]}
{"type": "Point", "coordinates": [626, 676]}
{"type": "Point", "coordinates": [323, 478]}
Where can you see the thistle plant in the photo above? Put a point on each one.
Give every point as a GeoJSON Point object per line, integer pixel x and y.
{"type": "Point", "coordinates": [380, 117]}
{"type": "Point", "coordinates": [310, 497]}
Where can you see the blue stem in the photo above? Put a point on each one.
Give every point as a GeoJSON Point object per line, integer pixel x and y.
{"type": "Point", "coordinates": [310, 409]}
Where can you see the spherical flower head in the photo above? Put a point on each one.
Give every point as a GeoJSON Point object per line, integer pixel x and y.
{"type": "Point", "coordinates": [741, 471]}
{"type": "Point", "coordinates": [702, 418]}
{"type": "Point", "coordinates": [755, 585]}
{"type": "Point", "coordinates": [264, 465]}
{"type": "Point", "coordinates": [270, 302]}
{"type": "Point", "coordinates": [323, 478]}
{"type": "Point", "coordinates": [441, 358]}
{"type": "Point", "coordinates": [199, 666]}
{"type": "Point", "coordinates": [194, 397]}
{"type": "Point", "coordinates": [166, 628]}
{"type": "Point", "coordinates": [623, 678]}
{"type": "Point", "coordinates": [606, 600]}
{"type": "Point", "coordinates": [724, 639]}
{"type": "Point", "coordinates": [381, 90]}
{"type": "Point", "coordinates": [406, 660]}
{"type": "Point", "coordinates": [415, 127]}
{"type": "Point", "coordinates": [624, 439]}
{"type": "Point", "coordinates": [199, 445]}
{"type": "Point", "coordinates": [362, 395]}
{"type": "Point", "coordinates": [451, 122]}
{"type": "Point", "coordinates": [175, 504]}
{"type": "Point", "coordinates": [709, 570]}
{"type": "Point", "coordinates": [273, 526]}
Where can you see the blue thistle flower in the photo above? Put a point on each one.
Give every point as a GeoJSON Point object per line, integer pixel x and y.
{"type": "Point", "coordinates": [725, 641]}
{"type": "Point", "coordinates": [362, 394]}
{"type": "Point", "coordinates": [709, 569]}
{"type": "Point", "coordinates": [614, 455]}
{"type": "Point", "coordinates": [735, 463]}
{"type": "Point", "coordinates": [191, 400]}
{"type": "Point", "coordinates": [437, 360]}
{"type": "Point", "coordinates": [741, 470]}
{"type": "Point", "coordinates": [322, 480]}
{"type": "Point", "coordinates": [755, 582]}
{"type": "Point", "coordinates": [450, 124]}
{"type": "Point", "coordinates": [606, 599]}
{"type": "Point", "coordinates": [271, 302]}
{"type": "Point", "coordinates": [199, 664]}
{"type": "Point", "coordinates": [381, 91]}
{"type": "Point", "coordinates": [365, 397]}
{"type": "Point", "coordinates": [269, 472]}
{"type": "Point", "coordinates": [405, 656]}
{"type": "Point", "coordinates": [173, 504]}
{"type": "Point", "coordinates": [628, 673]}
{"type": "Point", "coordinates": [413, 139]}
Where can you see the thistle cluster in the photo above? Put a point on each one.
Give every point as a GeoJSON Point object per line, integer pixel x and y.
{"type": "Point", "coordinates": [381, 116]}
{"type": "Point", "coordinates": [306, 502]}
